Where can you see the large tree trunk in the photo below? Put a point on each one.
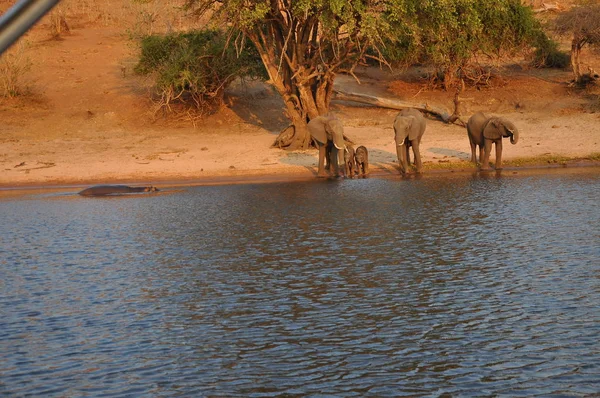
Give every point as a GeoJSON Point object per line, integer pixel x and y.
{"type": "Point", "coordinates": [311, 101]}
{"type": "Point", "coordinates": [301, 67]}
{"type": "Point", "coordinates": [298, 101]}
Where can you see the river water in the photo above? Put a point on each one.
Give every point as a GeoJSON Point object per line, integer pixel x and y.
{"type": "Point", "coordinates": [453, 285]}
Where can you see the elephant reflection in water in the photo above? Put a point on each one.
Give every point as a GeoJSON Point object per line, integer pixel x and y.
{"type": "Point", "coordinates": [328, 133]}
{"type": "Point", "coordinates": [483, 131]}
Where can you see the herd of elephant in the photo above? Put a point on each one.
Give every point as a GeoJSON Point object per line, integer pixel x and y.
{"type": "Point", "coordinates": [409, 126]}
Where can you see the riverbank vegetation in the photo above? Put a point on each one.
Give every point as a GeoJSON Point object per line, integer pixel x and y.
{"type": "Point", "coordinates": [303, 46]}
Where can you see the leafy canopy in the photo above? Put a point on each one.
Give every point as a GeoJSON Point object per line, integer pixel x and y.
{"type": "Point", "coordinates": [449, 34]}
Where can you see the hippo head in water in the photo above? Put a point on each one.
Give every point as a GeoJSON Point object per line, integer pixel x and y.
{"type": "Point", "coordinates": [103, 190]}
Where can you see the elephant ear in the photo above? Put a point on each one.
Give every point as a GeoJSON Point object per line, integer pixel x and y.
{"type": "Point", "coordinates": [493, 129]}
{"type": "Point", "coordinates": [414, 128]}
{"type": "Point", "coordinates": [404, 129]}
{"type": "Point", "coordinates": [316, 128]}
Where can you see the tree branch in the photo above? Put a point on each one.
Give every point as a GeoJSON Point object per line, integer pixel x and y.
{"type": "Point", "coordinates": [390, 103]}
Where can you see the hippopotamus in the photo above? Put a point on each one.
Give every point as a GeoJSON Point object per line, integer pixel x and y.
{"type": "Point", "coordinates": [103, 190]}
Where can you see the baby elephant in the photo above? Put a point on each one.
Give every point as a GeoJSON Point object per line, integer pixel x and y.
{"type": "Point", "coordinates": [104, 190]}
{"type": "Point", "coordinates": [484, 131]}
{"type": "Point", "coordinates": [349, 162]}
{"type": "Point", "coordinates": [361, 156]}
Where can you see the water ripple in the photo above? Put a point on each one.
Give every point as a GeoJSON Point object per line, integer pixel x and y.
{"type": "Point", "coordinates": [454, 286]}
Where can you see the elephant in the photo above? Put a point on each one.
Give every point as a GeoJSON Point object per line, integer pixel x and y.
{"type": "Point", "coordinates": [349, 161]}
{"type": "Point", "coordinates": [483, 131]}
{"type": "Point", "coordinates": [361, 156]}
{"type": "Point", "coordinates": [409, 127]}
{"type": "Point", "coordinates": [104, 190]}
{"type": "Point", "coordinates": [328, 133]}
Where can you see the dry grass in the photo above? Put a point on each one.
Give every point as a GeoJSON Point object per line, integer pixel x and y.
{"type": "Point", "coordinates": [136, 17]}
{"type": "Point", "coordinates": [14, 65]}
{"type": "Point", "coordinates": [535, 161]}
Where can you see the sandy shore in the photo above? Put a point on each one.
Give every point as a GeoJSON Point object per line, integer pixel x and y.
{"type": "Point", "coordinates": [152, 157]}
{"type": "Point", "coordinates": [89, 121]}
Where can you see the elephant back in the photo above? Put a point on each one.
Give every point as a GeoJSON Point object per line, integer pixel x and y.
{"type": "Point", "coordinates": [475, 126]}
{"type": "Point", "coordinates": [361, 154]}
{"type": "Point", "coordinates": [349, 152]}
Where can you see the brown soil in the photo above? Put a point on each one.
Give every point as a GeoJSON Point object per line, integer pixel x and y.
{"type": "Point", "coordinates": [88, 118]}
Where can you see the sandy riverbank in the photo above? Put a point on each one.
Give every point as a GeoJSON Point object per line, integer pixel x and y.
{"type": "Point", "coordinates": [88, 120]}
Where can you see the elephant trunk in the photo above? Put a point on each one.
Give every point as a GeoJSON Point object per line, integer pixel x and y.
{"type": "Point", "coordinates": [402, 162]}
{"type": "Point", "coordinates": [514, 138]}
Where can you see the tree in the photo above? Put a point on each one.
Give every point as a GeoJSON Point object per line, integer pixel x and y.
{"type": "Point", "coordinates": [450, 34]}
{"type": "Point", "coordinates": [583, 23]}
{"type": "Point", "coordinates": [303, 44]}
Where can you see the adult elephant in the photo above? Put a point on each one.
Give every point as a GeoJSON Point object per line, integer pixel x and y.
{"type": "Point", "coordinates": [328, 133]}
{"type": "Point", "coordinates": [483, 131]}
{"type": "Point", "coordinates": [409, 127]}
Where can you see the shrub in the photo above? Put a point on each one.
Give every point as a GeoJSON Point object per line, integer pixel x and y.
{"type": "Point", "coordinates": [196, 67]}
{"type": "Point", "coordinates": [547, 54]}
{"type": "Point", "coordinates": [14, 65]}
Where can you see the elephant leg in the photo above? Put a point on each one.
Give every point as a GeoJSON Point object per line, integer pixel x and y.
{"type": "Point", "coordinates": [407, 152]}
{"type": "Point", "coordinates": [348, 169]}
{"type": "Point", "coordinates": [499, 154]}
{"type": "Point", "coordinates": [485, 163]}
{"type": "Point", "coordinates": [417, 151]}
{"type": "Point", "coordinates": [481, 152]}
{"type": "Point", "coordinates": [365, 167]}
{"type": "Point", "coordinates": [474, 152]}
{"type": "Point", "coordinates": [328, 148]}
{"type": "Point", "coordinates": [322, 155]}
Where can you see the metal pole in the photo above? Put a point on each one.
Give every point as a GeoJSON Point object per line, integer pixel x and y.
{"type": "Point", "coordinates": [21, 17]}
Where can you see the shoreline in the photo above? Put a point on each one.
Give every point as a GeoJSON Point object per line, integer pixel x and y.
{"type": "Point", "coordinates": [287, 174]}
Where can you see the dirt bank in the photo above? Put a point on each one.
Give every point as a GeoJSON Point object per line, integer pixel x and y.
{"type": "Point", "coordinates": [88, 120]}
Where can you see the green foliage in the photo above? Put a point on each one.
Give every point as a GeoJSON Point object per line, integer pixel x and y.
{"type": "Point", "coordinates": [197, 65]}
{"type": "Point", "coordinates": [548, 55]}
{"type": "Point", "coordinates": [451, 34]}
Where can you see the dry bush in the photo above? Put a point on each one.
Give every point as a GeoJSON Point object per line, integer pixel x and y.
{"type": "Point", "coordinates": [14, 66]}
{"type": "Point", "coordinates": [58, 23]}
{"type": "Point", "coordinates": [138, 17]}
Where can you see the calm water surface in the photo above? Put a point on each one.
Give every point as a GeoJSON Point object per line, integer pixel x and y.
{"type": "Point", "coordinates": [442, 286]}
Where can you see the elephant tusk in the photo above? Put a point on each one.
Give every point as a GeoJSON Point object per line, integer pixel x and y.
{"type": "Point", "coordinates": [338, 147]}
{"type": "Point", "coordinates": [402, 143]}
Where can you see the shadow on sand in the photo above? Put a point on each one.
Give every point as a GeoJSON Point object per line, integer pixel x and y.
{"type": "Point", "coordinates": [450, 152]}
